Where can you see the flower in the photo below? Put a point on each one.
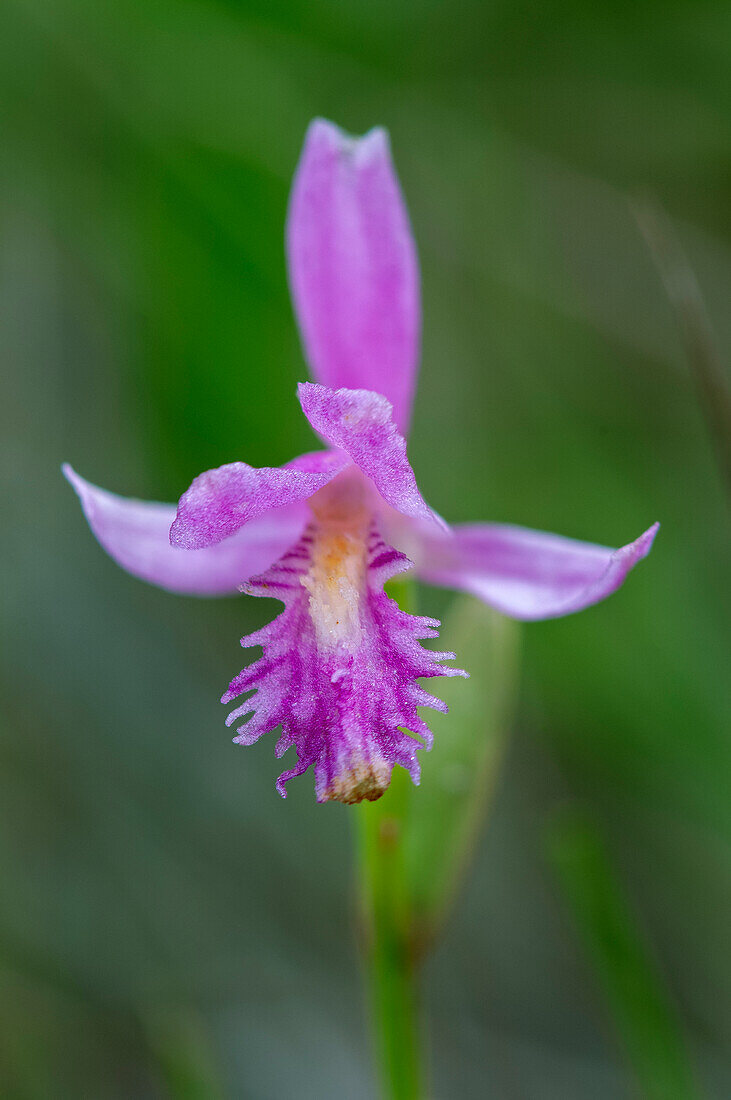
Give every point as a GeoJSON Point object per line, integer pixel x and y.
{"type": "Point", "coordinates": [325, 532]}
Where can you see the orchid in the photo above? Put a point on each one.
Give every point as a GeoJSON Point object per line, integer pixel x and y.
{"type": "Point", "coordinates": [340, 665]}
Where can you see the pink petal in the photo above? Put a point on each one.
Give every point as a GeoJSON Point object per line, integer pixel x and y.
{"type": "Point", "coordinates": [528, 574]}
{"type": "Point", "coordinates": [136, 534]}
{"type": "Point", "coordinates": [360, 422]}
{"type": "Point", "coordinates": [221, 501]}
{"type": "Point", "coordinates": [352, 266]}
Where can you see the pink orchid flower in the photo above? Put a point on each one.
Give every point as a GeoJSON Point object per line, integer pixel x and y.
{"type": "Point", "coordinates": [324, 533]}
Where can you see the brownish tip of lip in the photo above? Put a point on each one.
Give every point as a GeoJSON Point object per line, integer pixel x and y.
{"type": "Point", "coordinates": [366, 782]}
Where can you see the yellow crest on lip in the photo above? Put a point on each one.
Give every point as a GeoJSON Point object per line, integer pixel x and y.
{"type": "Point", "coordinates": [336, 577]}
{"type": "Point", "coordinates": [336, 583]}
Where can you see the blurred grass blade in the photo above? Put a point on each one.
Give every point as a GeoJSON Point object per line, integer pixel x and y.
{"type": "Point", "coordinates": [458, 775]}
{"type": "Point", "coordinates": [640, 1006]}
{"type": "Point", "coordinates": [181, 1049]}
{"type": "Point", "coordinates": [685, 296]}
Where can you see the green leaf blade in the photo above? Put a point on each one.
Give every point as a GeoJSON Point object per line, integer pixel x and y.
{"type": "Point", "coordinates": [459, 774]}
{"type": "Point", "coordinates": [641, 1008]}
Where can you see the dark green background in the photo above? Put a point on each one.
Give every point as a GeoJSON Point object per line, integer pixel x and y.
{"type": "Point", "coordinates": [169, 926]}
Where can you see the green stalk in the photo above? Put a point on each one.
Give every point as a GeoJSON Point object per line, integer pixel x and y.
{"type": "Point", "coordinates": [391, 966]}
{"type": "Point", "coordinates": [390, 960]}
{"type": "Point", "coordinates": [414, 845]}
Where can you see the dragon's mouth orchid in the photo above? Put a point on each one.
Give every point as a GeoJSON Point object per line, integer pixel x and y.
{"type": "Point", "coordinates": [324, 533]}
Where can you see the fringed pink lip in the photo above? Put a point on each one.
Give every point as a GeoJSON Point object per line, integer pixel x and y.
{"type": "Point", "coordinates": [340, 664]}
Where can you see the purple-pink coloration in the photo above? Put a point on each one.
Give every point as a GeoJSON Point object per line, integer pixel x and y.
{"type": "Point", "coordinates": [340, 664]}
{"type": "Point", "coordinates": [528, 574]}
{"type": "Point", "coordinates": [361, 423]}
{"type": "Point", "coordinates": [220, 502]}
{"type": "Point", "coordinates": [136, 534]}
{"type": "Point", "coordinates": [353, 268]}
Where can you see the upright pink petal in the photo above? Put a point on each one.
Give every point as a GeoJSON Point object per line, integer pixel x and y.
{"type": "Point", "coordinates": [527, 574]}
{"type": "Point", "coordinates": [221, 501]}
{"type": "Point", "coordinates": [136, 534]}
{"type": "Point", "coordinates": [360, 423]}
{"type": "Point", "coordinates": [353, 269]}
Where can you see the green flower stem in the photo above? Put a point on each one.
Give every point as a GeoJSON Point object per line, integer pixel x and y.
{"type": "Point", "coordinates": [415, 846]}
{"type": "Point", "coordinates": [388, 924]}
{"type": "Point", "coordinates": [390, 959]}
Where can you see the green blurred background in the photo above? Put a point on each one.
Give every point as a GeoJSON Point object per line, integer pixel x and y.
{"type": "Point", "coordinates": [169, 926]}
